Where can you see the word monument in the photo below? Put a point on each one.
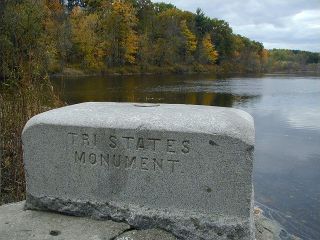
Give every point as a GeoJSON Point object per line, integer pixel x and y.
{"type": "Point", "coordinates": [186, 169]}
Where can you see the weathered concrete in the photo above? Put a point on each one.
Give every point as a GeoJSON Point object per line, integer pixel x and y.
{"type": "Point", "coordinates": [150, 234]}
{"type": "Point", "coordinates": [184, 168]}
{"type": "Point", "coordinates": [19, 224]}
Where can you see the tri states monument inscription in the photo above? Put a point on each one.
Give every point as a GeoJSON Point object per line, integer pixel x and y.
{"type": "Point", "coordinates": [138, 152]}
{"type": "Point", "coordinates": [183, 168]}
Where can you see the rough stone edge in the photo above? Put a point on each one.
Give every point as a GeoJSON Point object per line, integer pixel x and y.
{"type": "Point", "coordinates": [252, 219]}
{"type": "Point", "coordinates": [148, 234]}
{"type": "Point", "coordinates": [188, 226]}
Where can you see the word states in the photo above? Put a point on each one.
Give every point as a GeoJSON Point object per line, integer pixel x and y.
{"type": "Point", "coordinates": [153, 144]}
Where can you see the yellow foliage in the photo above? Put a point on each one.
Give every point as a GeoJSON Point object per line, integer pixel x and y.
{"type": "Point", "coordinates": [131, 49]}
{"type": "Point", "coordinates": [119, 21]}
{"type": "Point", "coordinates": [128, 36]}
{"type": "Point", "coordinates": [126, 12]}
{"type": "Point", "coordinates": [84, 34]}
{"type": "Point", "coordinates": [190, 38]}
{"type": "Point", "coordinates": [209, 49]}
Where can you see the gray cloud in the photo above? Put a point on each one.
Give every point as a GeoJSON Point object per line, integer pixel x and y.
{"type": "Point", "coordinates": [292, 24]}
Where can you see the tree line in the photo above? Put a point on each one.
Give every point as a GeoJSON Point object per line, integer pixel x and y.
{"type": "Point", "coordinates": [284, 60]}
{"type": "Point", "coordinates": [99, 35]}
{"type": "Point", "coordinates": [105, 36]}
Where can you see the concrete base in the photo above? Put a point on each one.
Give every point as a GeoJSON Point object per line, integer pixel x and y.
{"type": "Point", "coordinates": [184, 225]}
{"type": "Point", "coordinates": [19, 224]}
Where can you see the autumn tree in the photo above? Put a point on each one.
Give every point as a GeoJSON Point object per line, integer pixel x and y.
{"type": "Point", "coordinates": [249, 56]}
{"type": "Point", "coordinates": [208, 54]}
{"type": "Point", "coordinates": [222, 38]}
{"type": "Point", "coordinates": [119, 22]}
{"type": "Point", "coordinates": [88, 40]}
{"type": "Point", "coordinates": [168, 39]}
{"type": "Point", "coordinates": [58, 34]}
{"type": "Point", "coordinates": [189, 39]}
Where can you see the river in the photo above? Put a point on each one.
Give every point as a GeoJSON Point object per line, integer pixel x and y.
{"type": "Point", "coordinates": [286, 110]}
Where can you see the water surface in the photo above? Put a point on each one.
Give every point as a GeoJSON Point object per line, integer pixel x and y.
{"type": "Point", "coordinates": [286, 110]}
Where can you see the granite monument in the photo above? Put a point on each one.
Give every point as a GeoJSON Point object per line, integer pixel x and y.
{"type": "Point", "coordinates": [186, 169]}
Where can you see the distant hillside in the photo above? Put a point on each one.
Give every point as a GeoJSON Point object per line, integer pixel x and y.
{"type": "Point", "coordinates": [284, 60]}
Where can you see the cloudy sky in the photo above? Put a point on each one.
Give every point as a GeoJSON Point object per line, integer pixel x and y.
{"type": "Point", "coordinates": [292, 24]}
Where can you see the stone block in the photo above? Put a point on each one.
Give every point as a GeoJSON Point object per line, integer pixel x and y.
{"type": "Point", "coordinates": [184, 168]}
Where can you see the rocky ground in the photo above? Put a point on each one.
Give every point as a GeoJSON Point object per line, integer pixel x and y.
{"type": "Point", "coordinates": [18, 224]}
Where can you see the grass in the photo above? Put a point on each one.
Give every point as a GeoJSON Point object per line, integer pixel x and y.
{"type": "Point", "coordinates": [17, 105]}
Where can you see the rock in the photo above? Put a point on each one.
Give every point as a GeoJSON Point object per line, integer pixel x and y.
{"type": "Point", "coordinates": [183, 168]}
{"type": "Point", "coordinates": [267, 229]}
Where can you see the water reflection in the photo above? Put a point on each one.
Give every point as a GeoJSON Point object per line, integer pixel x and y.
{"type": "Point", "coordinates": [286, 110]}
{"type": "Point", "coordinates": [164, 88]}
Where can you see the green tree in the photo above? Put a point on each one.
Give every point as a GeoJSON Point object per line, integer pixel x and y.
{"type": "Point", "coordinates": [24, 50]}
{"type": "Point", "coordinates": [145, 12]}
{"type": "Point", "coordinates": [202, 23]}
{"type": "Point", "coordinates": [223, 39]}
{"type": "Point", "coordinates": [162, 7]}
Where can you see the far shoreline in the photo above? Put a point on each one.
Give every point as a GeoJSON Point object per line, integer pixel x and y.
{"type": "Point", "coordinates": [75, 73]}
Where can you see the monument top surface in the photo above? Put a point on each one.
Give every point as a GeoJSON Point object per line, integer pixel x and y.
{"type": "Point", "coordinates": [229, 122]}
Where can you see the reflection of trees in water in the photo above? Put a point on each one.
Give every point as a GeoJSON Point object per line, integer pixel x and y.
{"type": "Point", "coordinates": [215, 99]}
{"type": "Point", "coordinates": [170, 89]}
{"type": "Point", "coordinates": [197, 98]}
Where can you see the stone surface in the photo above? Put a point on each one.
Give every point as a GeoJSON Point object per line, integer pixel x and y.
{"type": "Point", "coordinates": [267, 229]}
{"type": "Point", "coordinates": [17, 224]}
{"type": "Point", "coordinates": [150, 234]}
{"type": "Point", "coordinates": [183, 168]}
